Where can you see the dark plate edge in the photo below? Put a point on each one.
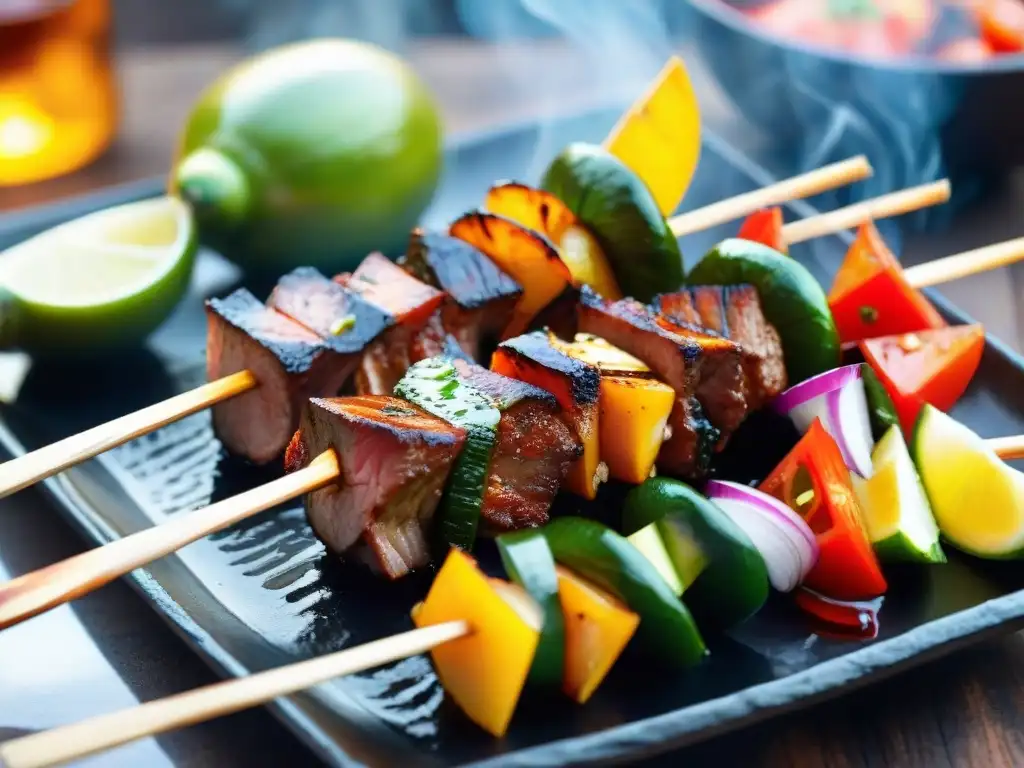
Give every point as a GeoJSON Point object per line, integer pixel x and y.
{"type": "Point", "coordinates": [643, 738]}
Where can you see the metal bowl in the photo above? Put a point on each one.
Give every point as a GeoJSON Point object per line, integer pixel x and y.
{"type": "Point", "coordinates": [917, 118]}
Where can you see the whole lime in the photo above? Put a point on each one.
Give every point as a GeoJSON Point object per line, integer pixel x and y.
{"type": "Point", "coordinates": [313, 153]}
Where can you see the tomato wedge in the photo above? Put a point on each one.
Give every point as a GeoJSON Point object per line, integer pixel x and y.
{"type": "Point", "coordinates": [814, 481]}
{"type": "Point", "coordinates": [932, 367]}
{"type": "Point", "coordinates": [765, 227]}
{"type": "Point", "coordinates": [1002, 24]}
{"type": "Point", "coordinates": [870, 296]}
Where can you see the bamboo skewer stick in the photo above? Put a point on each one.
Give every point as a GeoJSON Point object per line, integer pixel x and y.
{"type": "Point", "coordinates": [46, 588]}
{"type": "Point", "coordinates": [881, 207]}
{"type": "Point", "coordinates": [963, 264]}
{"type": "Point", "coordinates": [23, 471]}
{"type": "Point", "coordinates": [71, 742]}
{"type": "Point", "coordinates": [1007, 448]}
{"type": "Point", "coordinates": [796, 188]}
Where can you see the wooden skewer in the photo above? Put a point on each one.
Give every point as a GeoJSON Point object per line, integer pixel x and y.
{"type": "Point", "coordinates": [806, 185]}
{"type": "Point", "coordinates": [1007, 448]}
{"type": "Point", "coordinates": [71, 742]}
{"type": "Point", "coordinates": [964, 264]}
{"type": "Point", "coordinates": [48, 587]}
{"type": "Point", "coordinates": [881, 207]}
{"type": "Point", "coordinates": [23, 471]}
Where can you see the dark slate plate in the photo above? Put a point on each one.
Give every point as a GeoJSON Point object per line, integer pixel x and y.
{"type": "Point", "coordinates": [263, 593]}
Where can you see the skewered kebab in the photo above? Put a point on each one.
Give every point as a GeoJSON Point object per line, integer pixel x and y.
{"type": "Point", "coordinates": [104, 569]}
{"type": "Point", "coordinates": [23, 471]}
{"type": "Point", "coordinates": [483, 635]}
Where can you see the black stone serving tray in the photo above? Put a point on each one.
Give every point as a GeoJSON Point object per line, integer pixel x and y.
{"type": "Point", "coordinates": [264, 593]}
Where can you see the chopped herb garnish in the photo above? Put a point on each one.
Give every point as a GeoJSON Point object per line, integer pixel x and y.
{"type": "Point", "coordinates": [448, 390]}
{"type": "Point", "coordinates": [342, 325]}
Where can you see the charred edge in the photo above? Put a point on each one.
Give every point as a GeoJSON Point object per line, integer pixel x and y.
{"type": "Point", "coordinates": [708, 435]}
{"type": "Point", "coordinates": [296, 455]}
{"type": "Point", "coordinates": [249, 315]}
{"type": "Point", "coordinates": [470, 278]}
{"type": "Point", "coordinates": [504, 391]}
{"type": "Point", "coordinates": [641, 317]}
{"type": "Point", "coordinates": [291, 297]}
{"type": "Point", "coordinates": [405, 422]}
{"type": "Point", "coordinates": [535, 349]}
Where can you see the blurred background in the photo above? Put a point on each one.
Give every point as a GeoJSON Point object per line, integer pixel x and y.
{"type": "Point", "coordinates": [924, 88]}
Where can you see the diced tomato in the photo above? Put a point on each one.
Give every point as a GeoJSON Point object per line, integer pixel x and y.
{"type": "Point", "coordinates": [1002, 24]}
{"type": "Point", "coordinates": [870, 296]}
{"type": "Point", "coordinates": [814, 481]}
{"type": "Point", "coordinates": [932, 367]}
{"type": "Point", "coordinates": [765, 227]}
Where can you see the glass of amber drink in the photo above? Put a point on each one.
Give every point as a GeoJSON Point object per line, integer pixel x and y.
{"type": "Point", "coordinates": [58, 90]}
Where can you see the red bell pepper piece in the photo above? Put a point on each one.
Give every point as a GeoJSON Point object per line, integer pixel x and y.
{"type": "Point", "coordinates": [926, 367]}
{"type": "Point", "coordinates": [814, 481]}
{"type": "Point", "coordinates": [838, 618]}
{"type": "Point", "coordinates": [870, 297]}
{"type": "Point", "coordinates": [765, 227]}
{"type": "Point", "coordinates": [1002, 24]}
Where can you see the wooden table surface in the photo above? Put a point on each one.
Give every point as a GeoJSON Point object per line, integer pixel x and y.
{"type": "Point", "coordinates": [965, 710]}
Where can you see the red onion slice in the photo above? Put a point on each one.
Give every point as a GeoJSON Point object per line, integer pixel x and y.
{"type": "Point", "coordinates": [838, 399]}
{"type": "Point", "coordinates": [788, 546]}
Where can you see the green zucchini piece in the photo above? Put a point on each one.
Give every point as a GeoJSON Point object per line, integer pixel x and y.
{"type": "Point", "coordinates": [727, 577]}
{"type": "Point", "coordinates": [529, 563]}
{"type": "Point", "coordinates": [881, 409]}
{"type": "Point", "coordinates": [599, 554]}
{"type": "Point", "coordinates": [435, 385]}
{"type": "Point", "coordinates": [618, 209]}
{"type": "Point", "coordinates": [791, 298]}
{"type": "Point", "coordinates": [651, 546]}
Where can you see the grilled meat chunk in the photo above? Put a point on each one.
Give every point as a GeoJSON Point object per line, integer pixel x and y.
{"type": "Point", "coordinates": [345, 320]}
{"type": "Point", "coordinates": [481, 297]}
{"type": "Point", "coordinates": [409, 302]}
{"type": "Point", "coordinates": [734, 311]}
{"type": "Point", "coordinates": [534, 451]}
{"type": "Point", "coordinates": [394, 459]}
{"type": "Point", "coordinates": [290, 362]}
{"type": "Point", "coordinates": [517, 453]}
{"type": "Point", "coordinates": [537, 359]}
{"type": "Point", "coordinates": [704, 370]}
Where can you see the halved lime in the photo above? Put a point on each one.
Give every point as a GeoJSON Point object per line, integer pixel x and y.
{"type": "Point", "coordinates": [894, 505]}
{"type": "Point", "coordinates": [102, 282]}
{"type": "Point", "coordinates": [977, 499]}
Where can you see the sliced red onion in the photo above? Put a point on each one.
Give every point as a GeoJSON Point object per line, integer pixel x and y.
{"type": "Point", "coordinates": [787, 544]}
{"type": "Point", "coordinates": [838, 399]}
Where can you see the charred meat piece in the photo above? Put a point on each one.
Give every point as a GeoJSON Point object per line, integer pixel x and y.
{"type": "Point", "coordinates": [289, 361]}
{"type": "Point", "coordinates": [394, 459]}
{"type": "Point", "coordinates": [734, 312]}
{"type": "Point", "coordinates": [518, 448]}
{"type": "Point", "coordinates": [409, 302]}
{"type": "Point", "coordinates": [341, 317]}
{"type": "Point", "coordinates": [481, 297]}
{"type": "Point", "coordinates": [701, 368]}
{"type": "Point", "coordinates": [537, 359]}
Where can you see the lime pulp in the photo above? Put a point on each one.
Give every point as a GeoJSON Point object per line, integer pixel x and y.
{"type": "Point", "coordinates": [104, 281]}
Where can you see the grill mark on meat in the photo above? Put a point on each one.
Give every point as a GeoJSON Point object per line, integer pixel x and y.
{"type": "Point", "coordinates": [695, 364]}
{"type": "Point", "coordinates": [734, 312]}
{"type": "Point", "coordinates": [345, 320]}
{"type": "Point", "coordinates": [471, 279]}
{"type": "Point", "coordinates": [481, 298]}
{"type": "Point", "coordinates": [290, 364]}
{"type": "Point", "coordinates": [394, 460]}
{"type": "Point", "coordinates": [535, 349]}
